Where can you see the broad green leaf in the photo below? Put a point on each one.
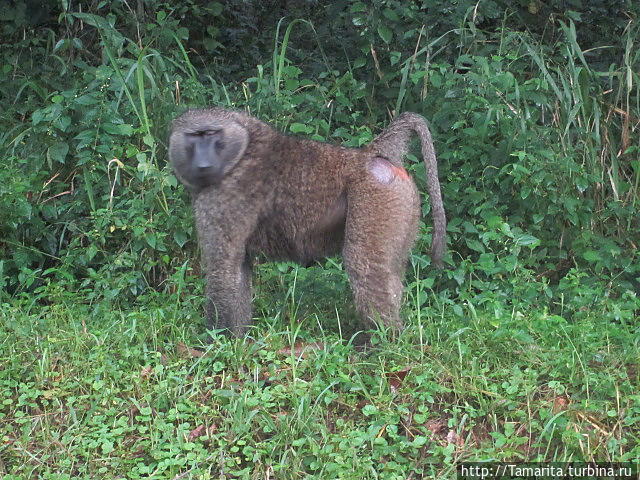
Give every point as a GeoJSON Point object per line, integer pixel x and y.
{"type": "Point", "coordinates": [359, 62]}
{"type": "Point", "coordinates": [151, 240]}
{"type": "Point", "coordinates": [390, 14]}
{"type": "Point", "coordinates": [216, 8]}
{"type": "Point", "coordinates": [107, 447]}
{"type": "Point", "coordinates": [58, 151]}
{"type": "Point", "coordinates": [486, 261]}
{"type": "Point", "coordinates": [591, 256]}
{"type": "Point", "coordinates": [385, 33]}
{"type": "Point", "coordinates": [300, 128]}
{"type": "Point", "coordinates": [475, 245]}
{"type": "Point", "coordinates": [88, 99]}
{"type": "Point", "coordinates": [180, 237]}
{"type": "Point", "coordinates": [369, 410]}
{"type": "Point", "coordinates": [527, 241]}
{"type": "Point", "coordinates": [120, 129]}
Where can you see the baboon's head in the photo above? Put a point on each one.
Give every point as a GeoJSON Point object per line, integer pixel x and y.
{"type": "Point", "coordinates": [205, 145]}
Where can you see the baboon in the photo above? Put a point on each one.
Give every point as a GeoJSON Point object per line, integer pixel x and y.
{"type": "Point", "coordinates": [257, 191]}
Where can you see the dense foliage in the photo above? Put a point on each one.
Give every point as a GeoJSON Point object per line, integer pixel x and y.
{"type": "Point", "coordinates": [538, 147]}
{"type": "Point", "coordinates": [534, 108]}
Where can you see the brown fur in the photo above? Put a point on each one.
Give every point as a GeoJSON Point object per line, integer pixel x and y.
{"type": "Point", "coordinates": [295, 199]}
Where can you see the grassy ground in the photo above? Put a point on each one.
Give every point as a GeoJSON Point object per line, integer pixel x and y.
{"type": "Point", "coordinates": [103, 392]}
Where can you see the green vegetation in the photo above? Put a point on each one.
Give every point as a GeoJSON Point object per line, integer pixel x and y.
{"type": "Point", "coordinates": [527, 347]}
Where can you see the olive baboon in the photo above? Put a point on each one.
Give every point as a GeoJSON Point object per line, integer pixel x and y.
{"type": "Point", "coordinates": [255, 190]}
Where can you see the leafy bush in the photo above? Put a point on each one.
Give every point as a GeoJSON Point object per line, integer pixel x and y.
{"type": "Point", "coordinates": [536, 148]}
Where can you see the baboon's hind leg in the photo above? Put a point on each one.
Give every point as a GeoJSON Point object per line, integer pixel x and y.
{"type": "Point", "coordinates": [382, 219]}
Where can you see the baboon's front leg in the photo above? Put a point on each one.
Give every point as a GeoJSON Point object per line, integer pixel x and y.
{"type": "Point", "coordinates": [228, 304]}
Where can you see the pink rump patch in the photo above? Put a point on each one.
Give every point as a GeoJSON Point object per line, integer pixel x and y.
{"type": "Point", "coordinates": [385, 172]}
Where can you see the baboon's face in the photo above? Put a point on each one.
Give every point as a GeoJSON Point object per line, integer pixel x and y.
{"type": "Point", "coordinates": [204, 147]}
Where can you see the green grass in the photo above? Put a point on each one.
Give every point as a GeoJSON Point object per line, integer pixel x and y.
{"type": "Point", "coordinates": [98, 392]}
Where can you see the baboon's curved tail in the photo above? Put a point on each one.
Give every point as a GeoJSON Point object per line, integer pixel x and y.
{"type": "Point", "coordinates": [393, 144]}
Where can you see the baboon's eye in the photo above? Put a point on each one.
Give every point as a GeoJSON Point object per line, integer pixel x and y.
{"type": "Point", "coordinates": [205, 133]}
{"type": "Point", "coordinates": [219, 146]}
